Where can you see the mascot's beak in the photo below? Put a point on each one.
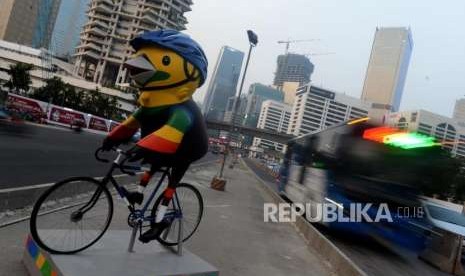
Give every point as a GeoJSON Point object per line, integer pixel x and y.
{"type": "Point", "coordinates": [140, 70]}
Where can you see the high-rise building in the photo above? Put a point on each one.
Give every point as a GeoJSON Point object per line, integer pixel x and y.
{"type": "Point", "coordinates": [70, 19]}
{"type": "Point", "coordinates": [274, 116]}
{"type": "Point", "coordinates": [459, 110]}
{"type": "Point", "coordinates": [293, 68]}
{"type": "Point", "coordinates": [316, 108]}
{"type": "Point", "coordinates": [12, 53]}
{"type": "Point", "coordinates": [249, 107]}
{"type": "Point", "coordinates": [446, 130]}
{"type": "Point", "coordinates": [387, 70]}
{"type": "Point", "coordinates": [258, 93]}
{"type": "Point", "coordinates": [28, 22]}
{"type": "Point", "coordinates": [290, 89]}
{"type": "Point", "coordinates": [240, 109]}
{"type": "Point", "coordinates": [223, 84]}
{"type": "Point", "coordinates": [104, 45]}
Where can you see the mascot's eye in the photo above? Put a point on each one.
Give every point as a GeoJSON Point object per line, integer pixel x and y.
{"type": "Point", "coordinates": [166, 60]}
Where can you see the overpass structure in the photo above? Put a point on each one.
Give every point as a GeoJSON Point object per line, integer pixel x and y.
{"type": "Point", "coordinates": [274, 136]}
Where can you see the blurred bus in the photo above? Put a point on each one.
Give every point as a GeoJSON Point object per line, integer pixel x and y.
{"type": "Point", "coordinates": [358, 162]}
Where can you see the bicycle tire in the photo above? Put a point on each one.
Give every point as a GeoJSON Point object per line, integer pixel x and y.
{"type": "Point", "coordinates": [60, 187]}
{"type": "Point", "coordinates": [163, 237]}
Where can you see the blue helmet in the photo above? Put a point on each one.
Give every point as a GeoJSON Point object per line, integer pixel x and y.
{"type": "Point", "coordinates": [178, 42]}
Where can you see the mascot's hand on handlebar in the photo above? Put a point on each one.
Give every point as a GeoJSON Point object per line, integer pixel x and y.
{"type": "Point", "coordinates": [108, 144]}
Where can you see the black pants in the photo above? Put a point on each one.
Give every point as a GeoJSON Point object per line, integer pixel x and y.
{"type": "Point", "coordinates": [177, 172]}
{"type": "Point", "coordinates": [176, 163]}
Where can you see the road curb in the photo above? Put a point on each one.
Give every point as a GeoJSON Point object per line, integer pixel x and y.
{"type": "Point", "coordinates": [339, 261]}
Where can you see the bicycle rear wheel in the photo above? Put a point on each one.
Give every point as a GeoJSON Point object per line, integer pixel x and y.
{"type": "Point", "coordinates": [191, 211]}
{"type": "Point", "coordinates": [71, 215]}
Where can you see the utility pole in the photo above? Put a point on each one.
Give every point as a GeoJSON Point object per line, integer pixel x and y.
{"type": "Point", "coordinates": [219, 183]}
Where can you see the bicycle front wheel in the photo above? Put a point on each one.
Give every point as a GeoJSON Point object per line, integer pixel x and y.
{"type": "Point", "coordinates": [71, 215]}
{"type": "Point", "coordinates": [187, 203]}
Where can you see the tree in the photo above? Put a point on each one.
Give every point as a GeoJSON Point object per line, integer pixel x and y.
{"type": "Point", "coordinates": [72, 98]}
{"type": "Point", "coordinates": [457, 187]}
{"type": "Point", "coordinates": [52, 91]}
{"type": "Point", "coordinates": [445, 177]}
{"type": "Point", "coordinates": [94, 102]}
{"type": "Point", "coordinates": [20, 78]}
{"type": "Point", "coordinates": [59, 93]}
{"type": "Point", "coordinates": [101, 105]}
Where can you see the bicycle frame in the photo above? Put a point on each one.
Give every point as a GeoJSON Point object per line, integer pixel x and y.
{"type": "Point", "coordinates": [137, 219]}
{"type": "Point", "coordinates": [137, 213]}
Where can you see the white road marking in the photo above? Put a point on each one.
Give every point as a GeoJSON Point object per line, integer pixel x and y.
{"type": "Point", "coordinates": [218, 206]}
{"type": "Point", "coordinates": [45, 185]}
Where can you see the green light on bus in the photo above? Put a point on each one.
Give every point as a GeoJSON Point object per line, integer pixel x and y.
{"type": "Point", "coordinates": [409, 140]}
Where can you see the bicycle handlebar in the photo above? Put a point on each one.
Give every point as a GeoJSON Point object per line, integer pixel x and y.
{"type": "Point", "coordinates": [123, 168]}
{"type": "Point", "coordinates": [97, 156]}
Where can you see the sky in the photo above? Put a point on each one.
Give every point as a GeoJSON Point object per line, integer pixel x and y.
{"type": "Point", "coordinates": [436, 75]}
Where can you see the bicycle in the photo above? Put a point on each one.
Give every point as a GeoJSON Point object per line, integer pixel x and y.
{"type": "Point", "coordinates": [74, 214]}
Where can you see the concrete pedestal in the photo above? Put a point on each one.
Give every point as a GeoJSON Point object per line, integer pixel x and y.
{"type": "Point", "coordinates": [109, 256]}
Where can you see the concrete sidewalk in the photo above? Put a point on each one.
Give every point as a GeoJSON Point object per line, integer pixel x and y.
{"type": "Point", "coordinates": [232, 235]}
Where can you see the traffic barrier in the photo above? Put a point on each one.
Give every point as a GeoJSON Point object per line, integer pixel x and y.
{"type": "Point", "coordinates": [218, 184]}
{"type": "Point", "coordinates": [444, 251]}
{"type": "Point", "coordinates": [42, 112]}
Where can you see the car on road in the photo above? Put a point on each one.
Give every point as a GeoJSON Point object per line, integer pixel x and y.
{"type": "Point", "coordinates": [216, 149]}
{"type": "Point", "coordinates": [4, 115]}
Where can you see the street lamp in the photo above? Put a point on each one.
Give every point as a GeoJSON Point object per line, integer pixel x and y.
{"type": "Point", "coordinates": [253, 40]}
{"type": "Point", "coordinates": [219, 183]}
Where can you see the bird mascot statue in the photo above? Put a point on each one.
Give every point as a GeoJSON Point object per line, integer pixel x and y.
{"type": "Point", "coordinates": [167, 67]}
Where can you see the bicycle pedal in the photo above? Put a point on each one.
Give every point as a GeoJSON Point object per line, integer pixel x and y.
{"type": "Point", "coordinates": [135, 198]}
{"type": "Point", "coordinates": [132, 197]}
{"type": "Point", "coordinates": [154, 233]}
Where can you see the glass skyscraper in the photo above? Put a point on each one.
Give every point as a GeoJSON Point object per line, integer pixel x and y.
{"type": "Point", "coordinates": [223, 84]}
{"type": "Point", "coordinates": [28, 22]}
{"type": "Point", "coordinates": [258, 93]}
{"type": "Point", "coordinates": [387, 70]}
{"type": "Point", "coordinates": [46, 18]}
{"type": "Point", "coordinates": [66, 33]}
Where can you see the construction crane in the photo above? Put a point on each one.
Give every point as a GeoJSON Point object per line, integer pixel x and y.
{"type": "Point", "coordinates": [319, 54]}
{"type": "Point", "coordinates": [288, 42]}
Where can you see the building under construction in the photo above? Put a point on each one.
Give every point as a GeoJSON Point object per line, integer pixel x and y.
{"type": "Point", "coordinates": [293, 68]}
{"type": "Point", "coordinates": [104, 45]}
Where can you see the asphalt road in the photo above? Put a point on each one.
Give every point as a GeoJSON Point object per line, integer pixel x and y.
{"type": "Point", "coordinates": [31, 154]}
